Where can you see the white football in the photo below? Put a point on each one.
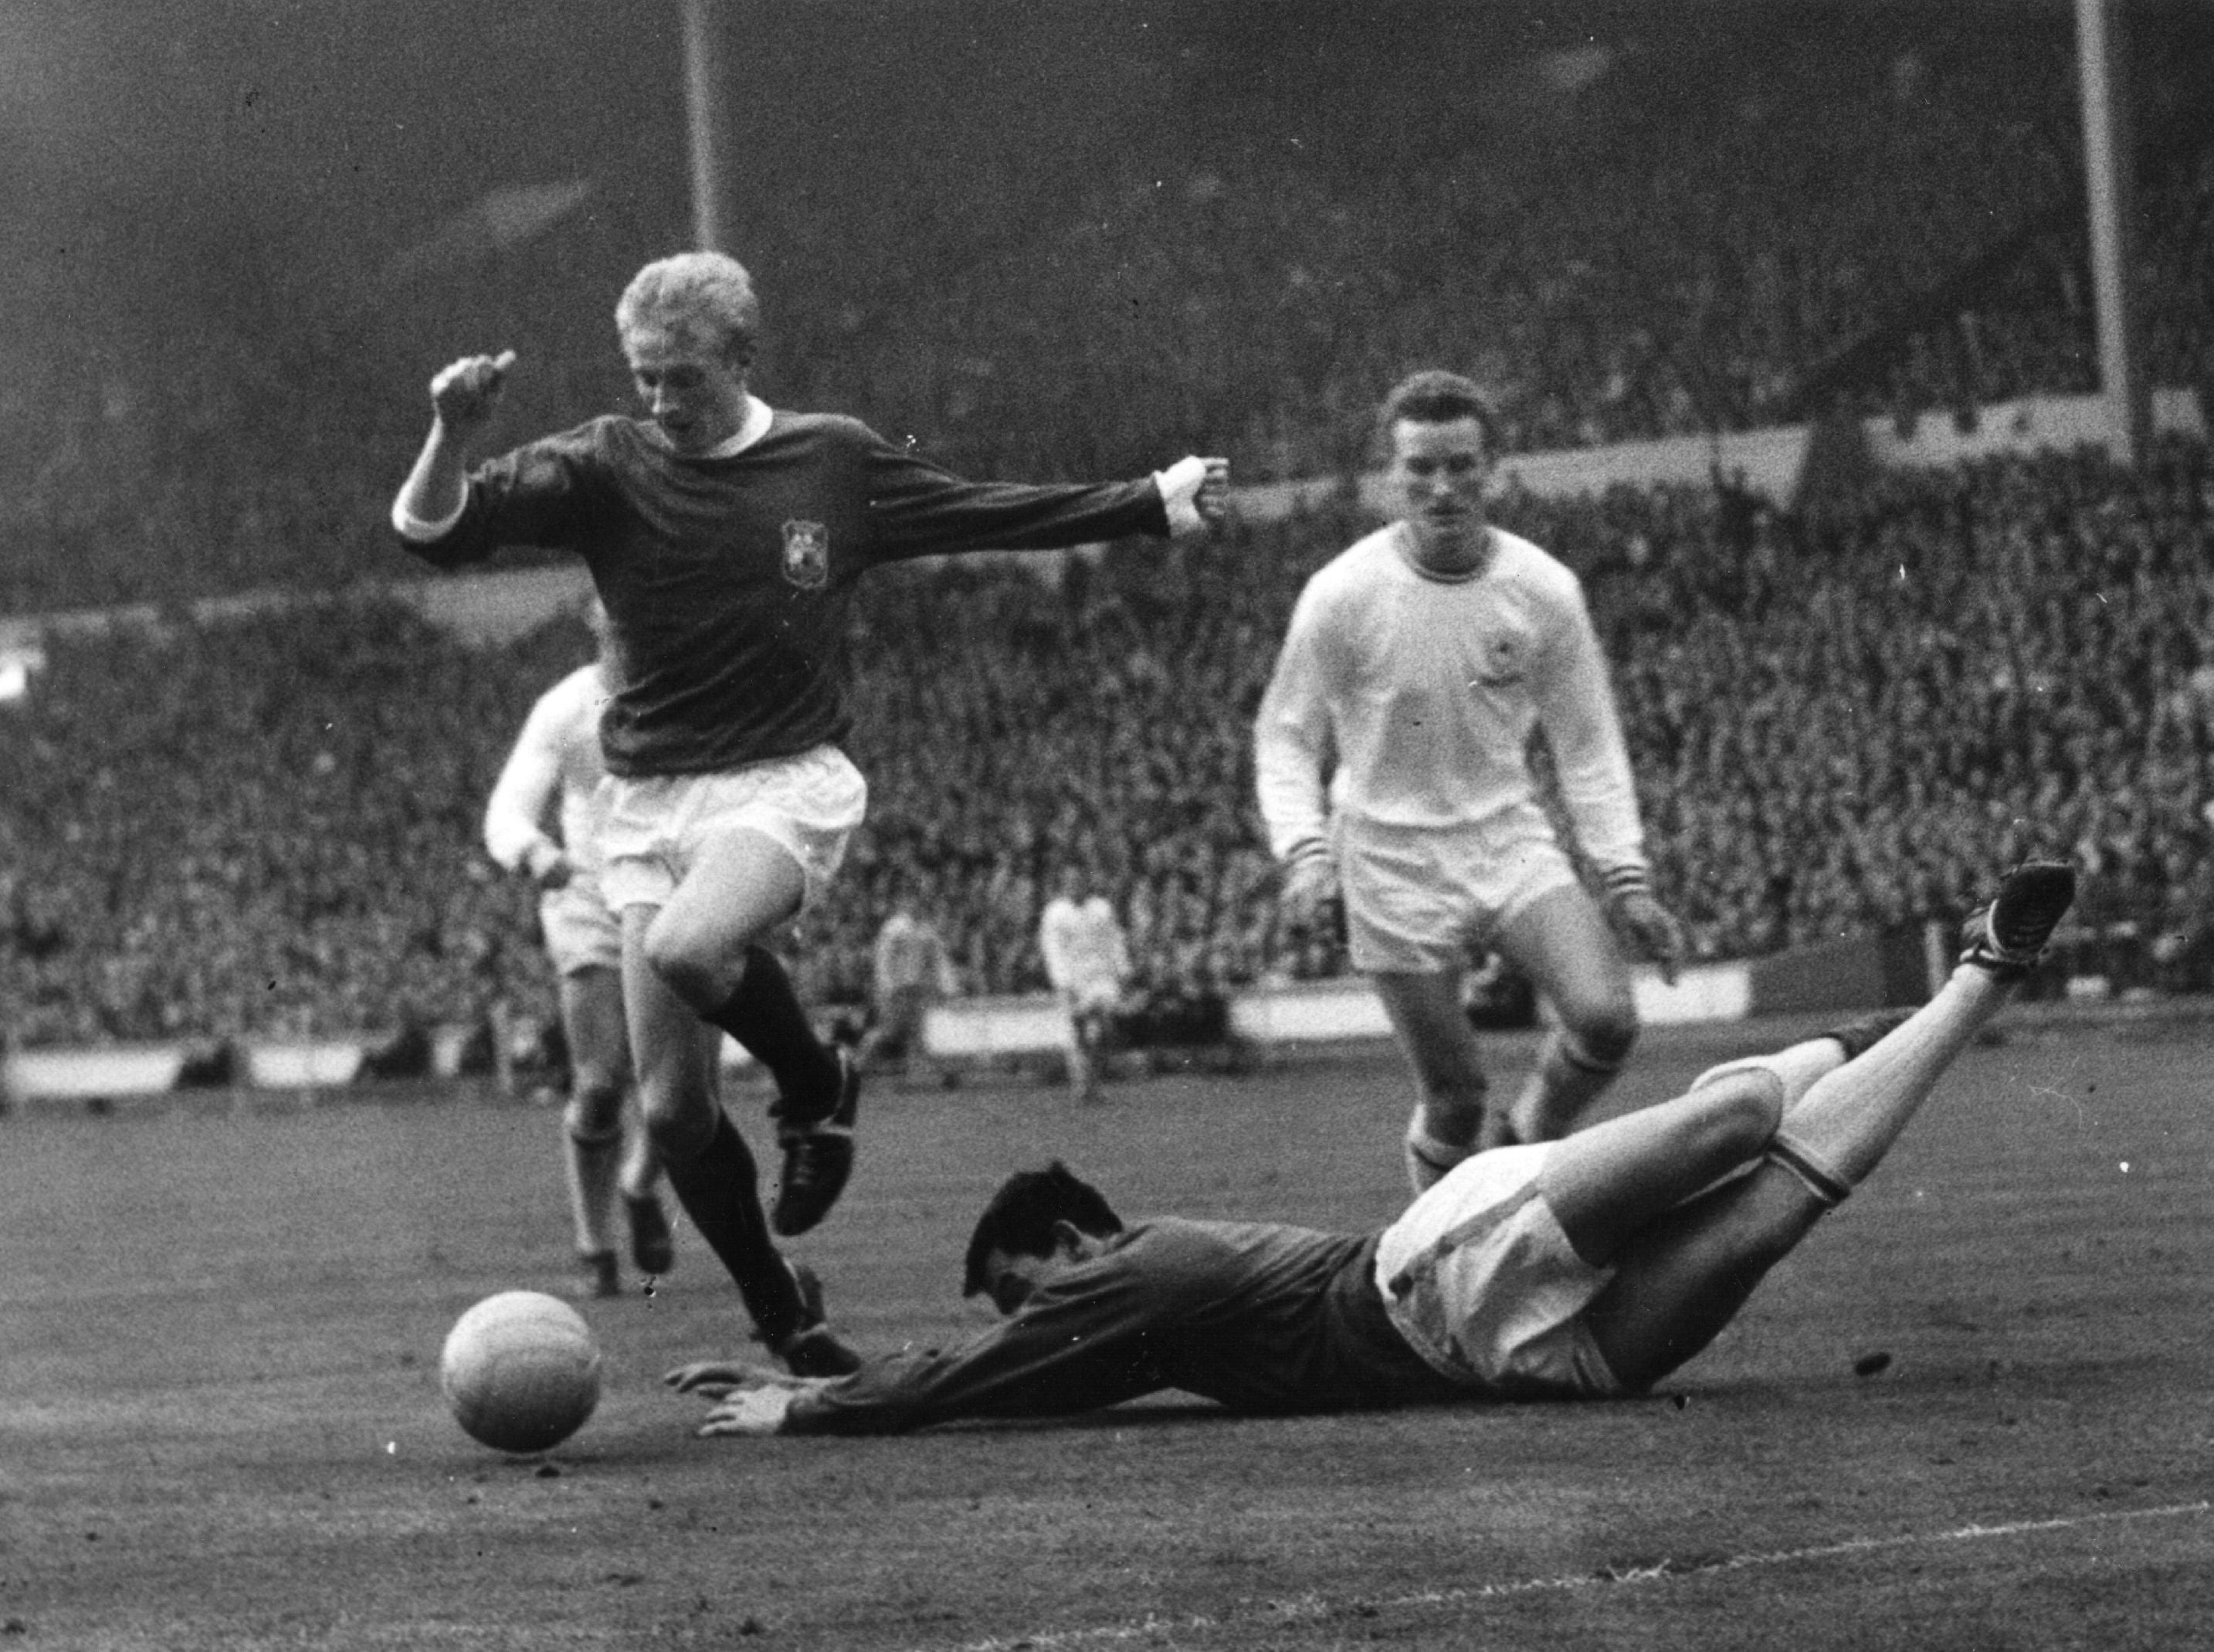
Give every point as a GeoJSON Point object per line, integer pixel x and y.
{"type": "Point", "coordinates": [521, 1371]}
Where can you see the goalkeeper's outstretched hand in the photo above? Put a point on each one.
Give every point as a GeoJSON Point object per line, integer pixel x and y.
{"type": "Point", "coordinates": [754, 1411]}
{"type": "Point", "coordinates": [749, 1400]}
{"type": "Point", "coordinates": [713, 1378]}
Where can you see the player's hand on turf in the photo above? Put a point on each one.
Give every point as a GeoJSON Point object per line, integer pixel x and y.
{"type": "Point", "coordinates": [1657, 931]}
{"type": "Point", "coordinates": [749, 1411]}
{"type": "Point", "coordinates": [749, 1400]}
{"type": "Point", "coordinates": [713, 1378]}
{"type": "Point", "coordinates": [1310, 885]}
{"type": "Point", "coordinates": [465, 393]}
{"type": "Point", "coordinates": [716, 1377]}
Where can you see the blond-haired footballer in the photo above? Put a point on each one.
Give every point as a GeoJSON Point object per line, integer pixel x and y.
{"type": "Point", "coordinates": [724, 538]}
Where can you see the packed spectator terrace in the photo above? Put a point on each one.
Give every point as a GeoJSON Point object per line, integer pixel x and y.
{"type": "Point", "coordinates": [268, 824]}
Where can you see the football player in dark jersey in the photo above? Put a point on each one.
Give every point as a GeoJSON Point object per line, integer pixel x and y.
{"type": "Point", "coordinates": [724, 538]}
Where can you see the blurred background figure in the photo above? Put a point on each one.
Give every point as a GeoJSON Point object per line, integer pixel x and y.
{"type": "Point", "coordinates": [911, 971]}
{"type": "Point", "coordinates": [1087, 959]}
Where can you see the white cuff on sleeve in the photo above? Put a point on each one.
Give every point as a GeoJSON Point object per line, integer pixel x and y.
{"type": "Point", "coordinates": [1630, 878]}
{"type": "Point", "coordinates": [1179, 486]}
{"type": "Point", "coordinates": [410, 526]}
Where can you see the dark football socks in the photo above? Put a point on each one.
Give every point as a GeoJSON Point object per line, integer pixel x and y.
{"type": "Point", "coordinates": [719, 1192]}
{"type": "Point", "coordinates": [765, 1015]}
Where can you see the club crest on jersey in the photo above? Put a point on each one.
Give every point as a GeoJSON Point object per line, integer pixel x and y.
{"type": "Point", "coordinates": [807, 554]}
{"type": "Point", "coordinates": [1502, 659]}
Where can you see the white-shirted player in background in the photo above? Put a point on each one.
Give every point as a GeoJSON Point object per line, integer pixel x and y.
{"type": "Point", "coordinates": [1392, 764]}
{"type": "Point", "coordinates": [910, 971]}
{"type": "Point", "coordinates": [1087, 959]}
{"type": "Point", "coordinates": [553, 776]}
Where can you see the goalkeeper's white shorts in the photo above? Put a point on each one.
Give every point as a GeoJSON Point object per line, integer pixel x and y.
{"type": "Point", "coordinates": [1482, 1283]}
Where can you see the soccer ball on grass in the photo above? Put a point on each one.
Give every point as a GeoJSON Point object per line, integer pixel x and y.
{"type": "Point", "coordinates": [520, 1372]}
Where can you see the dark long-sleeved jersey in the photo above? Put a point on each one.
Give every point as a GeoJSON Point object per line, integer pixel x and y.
{"type": "Point", "coordinates": [1258, 1317]}
{"type": "Point", "coordinates": [727, 579]}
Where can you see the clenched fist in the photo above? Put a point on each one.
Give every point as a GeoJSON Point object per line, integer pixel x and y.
{"type": "Point", "coordinates": [465, 393]}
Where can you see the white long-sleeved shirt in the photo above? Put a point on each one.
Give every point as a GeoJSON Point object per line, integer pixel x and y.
{"type": "Point", "coordinates": [910, 956]}
{"type": "Point", "coordinates": [1083, 944]}
{"type": "Point", "coordinates": [553, 772]}
{"type": "Point", "coordinates": [1405, 700]}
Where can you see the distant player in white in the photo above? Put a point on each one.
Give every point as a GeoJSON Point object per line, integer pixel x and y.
{"type": "Point", "coordinates": [911, 971]}
{"type": "Point", "coordinates": [554, 774]}
{"type": "Point", "coordinates": [1087, 959]}
{"type": "Point", "coordinates": [1392, 765]}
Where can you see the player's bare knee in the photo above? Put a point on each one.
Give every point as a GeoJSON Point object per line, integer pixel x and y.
{"type": "Point", "coordinates": [1742, 1112]}
{"type": "Point", "coordinates": [678, 1135]}
{"type": "Point", "coordinates": [687, 958]}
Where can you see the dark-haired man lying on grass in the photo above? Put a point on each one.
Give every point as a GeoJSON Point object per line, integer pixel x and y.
{"type": "Point", "coordinates": [1587, 1268]}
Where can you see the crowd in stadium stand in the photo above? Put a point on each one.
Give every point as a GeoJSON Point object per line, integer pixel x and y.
{"type": "Point", "coordinates": [268, 825]}
{"type": "Point", "coordinates": [1676, 245]}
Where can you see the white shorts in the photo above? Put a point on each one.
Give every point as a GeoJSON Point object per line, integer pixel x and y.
{"type": "Point", "coordinates": [1419, 902]}
{"type": "Point", "coordinates": [658, 825]}
{"type": "Point", "coordinates": [582, 931]}
{"type": "Point", "coordinates": [1095, 997]}
{"type": "Point", "coordinates": [1482, 1283]}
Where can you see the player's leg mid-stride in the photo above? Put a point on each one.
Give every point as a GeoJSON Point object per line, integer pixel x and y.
{"type": "Point", "coordinates": [1822, 1113]}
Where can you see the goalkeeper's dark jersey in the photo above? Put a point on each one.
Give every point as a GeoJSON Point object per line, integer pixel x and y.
{"type": "Point", "coordinates": [1258, 1317]}
{"type": "Point", "coordinates": [726, 580]}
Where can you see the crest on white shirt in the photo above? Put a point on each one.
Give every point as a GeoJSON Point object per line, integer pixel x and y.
{"type": "Point", "coordinates": [807, 554]}
{"type": "Point", "coordinates": [1502, 659]}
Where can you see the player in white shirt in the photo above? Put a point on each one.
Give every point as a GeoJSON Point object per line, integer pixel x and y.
{"type": "Point", "coordinates": [911, 971]}
{"type": "Point", "coordinates": [1392, 765]}
{"type": "Point", "coordinates": [1087, 959]}
{"type": "Point", "coordinates": [553, 776]}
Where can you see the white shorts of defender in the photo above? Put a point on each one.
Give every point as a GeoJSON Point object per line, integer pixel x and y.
{"type": "Point", "coordinates": [582, 931]}
{"type": "Point", "coordinates": [658, 825]}
{"type": "Point", "coordinates": [1482, 1283]}
{"type": "Point", "coordinates": [1417, 901]}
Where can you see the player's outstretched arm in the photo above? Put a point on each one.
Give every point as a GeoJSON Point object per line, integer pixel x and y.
{"type": "Point", "coordinates": [464, 395]}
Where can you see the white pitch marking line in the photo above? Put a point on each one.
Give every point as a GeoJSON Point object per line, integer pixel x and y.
{"type": "Point", "coordinates": [1308, 1607]}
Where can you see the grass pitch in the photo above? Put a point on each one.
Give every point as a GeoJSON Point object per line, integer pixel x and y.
{"type": "Point", "coordinates": [220, 1424]}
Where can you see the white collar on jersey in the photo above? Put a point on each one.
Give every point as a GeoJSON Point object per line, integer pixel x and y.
{"type": "Point", "coordinates": [753, 427]}
{"type": "Point", "coordinates": [1403, 543]}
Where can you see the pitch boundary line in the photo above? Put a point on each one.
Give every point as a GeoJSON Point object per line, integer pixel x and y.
{"type": "Point", "coordinates": [1310, 1607]}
